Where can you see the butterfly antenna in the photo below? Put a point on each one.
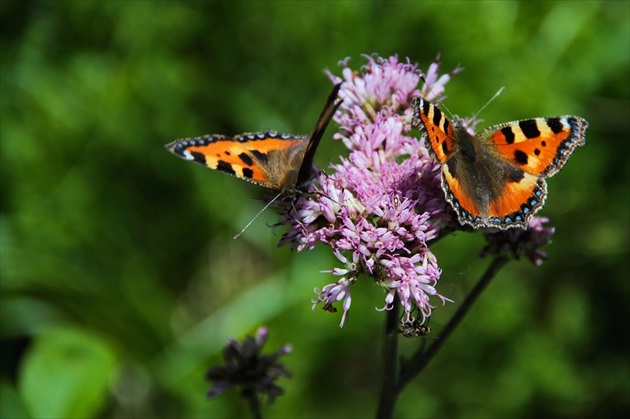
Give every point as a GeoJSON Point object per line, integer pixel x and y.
{"type": "Point", "coordinates": [298, 222]}
{"type": "Point", "coordinates": [318, 193]}
{"type": "Point", "coordinates": [489, 102]}
{"type": "Point", "coordinates": [442, 105]}
{"type": "Point", "coordinates": [257, 215]}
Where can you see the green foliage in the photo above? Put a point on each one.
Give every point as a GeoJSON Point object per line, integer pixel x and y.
{"type": "Point", "coordinates": [120, 280]}
{"type": "Point", "coordinates": [66, 374]}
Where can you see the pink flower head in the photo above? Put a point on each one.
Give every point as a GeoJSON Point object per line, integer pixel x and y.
{"type": "Point", "coordinates": [382, 204]}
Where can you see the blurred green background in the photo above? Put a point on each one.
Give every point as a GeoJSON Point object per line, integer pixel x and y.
{"type": "Point", "coordinates": [120, 277]}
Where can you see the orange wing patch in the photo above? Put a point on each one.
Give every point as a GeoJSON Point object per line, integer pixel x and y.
{"type": "Point", "coordinates": [518, 202]}
{"type": "Point", "coordinates": [539, 146]}
{"type": "Point", "coordinates": [460, 199]}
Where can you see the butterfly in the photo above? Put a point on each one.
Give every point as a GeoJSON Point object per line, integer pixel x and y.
{"type": "Point", "coordinates": [496, 178]}
{"type": "Point", "coordinates": [276, 161]}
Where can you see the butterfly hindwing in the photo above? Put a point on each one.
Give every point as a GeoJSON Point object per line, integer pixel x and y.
{"type": "Point", "coordinates": [517, 203]}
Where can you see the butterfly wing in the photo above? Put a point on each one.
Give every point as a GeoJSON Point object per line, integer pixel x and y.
{"type": "Point", "coordinates": [516, 204]}
{"type": "Point", "coordinates": [526, 152]}
{"type": "Point", "coordinates": [260, 157]}
{"type": "Point", "coordinates": [458, 186]}
{"type": "Point", "coordinates": [332, 103]}
{"type": "Point", "coordinates": [540, 146]}
{"type": "Point", "coordinates": [438, 128]}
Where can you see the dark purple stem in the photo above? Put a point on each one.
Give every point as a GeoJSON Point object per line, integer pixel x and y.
{"type": "Point", "coordinates": [254, 403]}
{"type": "Point", "coordinates": [421, 359]}
{"type": "Point", "coordinates": [389, 392]}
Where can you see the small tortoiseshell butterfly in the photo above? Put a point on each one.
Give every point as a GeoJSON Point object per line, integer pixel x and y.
{"type": "Point", "coordinates": [280, 162]}
{"type": "Point", "coordinates": [496, 178]}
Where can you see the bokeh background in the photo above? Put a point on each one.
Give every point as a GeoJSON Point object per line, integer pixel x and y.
{"type": "Point", "coordinates": [120, 278]}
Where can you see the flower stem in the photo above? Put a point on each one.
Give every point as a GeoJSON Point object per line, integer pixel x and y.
{"type": "Point", "coordinates": [421, 359]}
{"type": "Point", "coordinates": [254, 405]}
{"type": "Point", "coordinates": [389, 393]}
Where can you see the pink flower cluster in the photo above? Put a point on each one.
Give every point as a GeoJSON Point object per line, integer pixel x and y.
{"type": "Point", "coordinates": [381, 206]}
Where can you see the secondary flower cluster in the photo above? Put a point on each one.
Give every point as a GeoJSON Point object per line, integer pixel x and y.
{"type": "Point", "coordinates": [246, 367]}
{"type": "Point", "coordinates": [516, 242]}
{"type": "Point", "coordinates": [383, 203]}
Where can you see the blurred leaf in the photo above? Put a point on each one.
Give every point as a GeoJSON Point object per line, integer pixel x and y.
{"type": "Point", "coordinates": [11, 405]}
{"type": "Point", "coordinates": [65, 374]}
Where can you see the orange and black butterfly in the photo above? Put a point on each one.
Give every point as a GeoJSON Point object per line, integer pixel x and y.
{"type": "Point", "coordinates": [276, 161]}
{"type": "Point", "coordinates": [496, 178]}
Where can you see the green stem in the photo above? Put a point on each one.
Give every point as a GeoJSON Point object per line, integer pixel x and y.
{"type": "Point", "coordinates": [421, 359]}
{"type": "Point", "coordinates": [389, 393]}
{"type": "Point", "coordinates": [254, 404]}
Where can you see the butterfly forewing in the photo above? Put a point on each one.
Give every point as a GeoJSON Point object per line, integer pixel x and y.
{"type": "Point", "coordinates": [330, 107]}
{"type": "Point", "coordinates": [247, 156]}
{"type": "Point", "coordinates": [539, 146]}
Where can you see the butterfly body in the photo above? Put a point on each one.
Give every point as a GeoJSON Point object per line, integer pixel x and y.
{"type": "Point", "coordinates": [496, 178]}
{"type": "Point", "coordinates": [276, 161]}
